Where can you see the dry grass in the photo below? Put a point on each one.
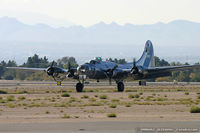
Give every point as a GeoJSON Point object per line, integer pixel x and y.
{"type": "Point", "coordinates": [99, 102]}
{"type": "Point", "coordinates": [111, 115]}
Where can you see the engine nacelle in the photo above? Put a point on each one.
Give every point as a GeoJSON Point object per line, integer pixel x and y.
{"type": "Point", "coordinates": [57, 73]}
{"type": "Point", "coordinates": [137, 72]}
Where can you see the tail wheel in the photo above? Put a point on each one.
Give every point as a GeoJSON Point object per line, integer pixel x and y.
{"type": "Point", "coordinates": [142, 83]}
{"type": "Point", "coordinates": [79, 87]}
{"type": "Point", "coordinates": [120, 86]}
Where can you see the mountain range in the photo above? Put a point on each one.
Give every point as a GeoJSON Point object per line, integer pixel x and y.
{"type": "Point", "coordinates": [176, 38]}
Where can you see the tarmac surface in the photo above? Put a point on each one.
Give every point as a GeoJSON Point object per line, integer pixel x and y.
{"type": "Point", "coordinates": [8, 83]}
{"type": "Point", "coordinates": [102, 127]}
{"type": "Point", "coordinates": [93, 126]}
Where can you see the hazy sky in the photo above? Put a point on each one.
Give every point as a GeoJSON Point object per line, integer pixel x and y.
{"type": "Point", "coordinates": [88, 12]}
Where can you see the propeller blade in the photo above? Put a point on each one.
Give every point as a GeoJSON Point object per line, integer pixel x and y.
{"type": "Point", "coordinates": [134, 62]}
{"type": "Point", "coordinates": [134, 70]}
{"type": "Point", "coordinates": [70, 70]}
{"type": "Point", "coordinates": [69, 66]}
{"type": "Point", "coordinates": [50, 69]}
{"type": "Point", "coordinates": [52, 64]}
{"type": "Point", "coordinates": [110, 74]}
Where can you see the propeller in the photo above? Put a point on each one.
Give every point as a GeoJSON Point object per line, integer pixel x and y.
{"type": "Point", "coordinates": [56, 71]}
{"type": "Point", "coordinates": [109, 74]}
{"type": "Point", "coordinates": [52, 64]}
{"type": "Point", "coordinates": [70, 70]}
{"type": "Point", "coordinates": [69, 66]}
{"type": "Point", "coordinates": [50, 69]}
{"type": "Point", "coordinates": [134, 70]}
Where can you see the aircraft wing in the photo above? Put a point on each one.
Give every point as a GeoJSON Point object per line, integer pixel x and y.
{"type": "Point", "coordinates": [65, 70]}
{"type": "Point", "coordinates": [26, 68]}
{"type": "Point", "coordinates": [32, 69]}
{"type": "Point", "coordinates": [173, 68]}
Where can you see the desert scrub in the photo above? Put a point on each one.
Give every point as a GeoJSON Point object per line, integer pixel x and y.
{"type": "Point", "coordinates": [10, 105]}
{"type": "Point", "coordinates": [76, 116]}
{"type": "Point", "coordinates": [111, 115]}
{"type": "Point", "coordinates": [65, 95]}
{"type": "Point", "coordinates": [47, 112]}
{"type": "Point", "coordinates": [161, 99]}
{"type": "Point", "coordinates": [128, 105]}
{"type": "Point", "coordinates": [136, 99]}
{"type": "Point", "coordinates": [85, 97]}
{"type": "Point", "coordinates": [36, 99]}
{"type": "Point", "coordinates": [163, 103]}
{"type": "Point", "coordinates": [20, 98]}
{"type": "Point", "coordinates": [153, 94]}
{"type": "Point", "coordinates": [187, 93]}
{"type": "Point", "coordinates": [130, 96]}
{"type": "Point", "coordinates": [10, 98]}
{"type": "Point", "coordinates": [129, 90]}
{"type": "Point", "coordinates": [115, 100]}
{"type": "Point", "coordinates": [21, 92]}
{"type": "Point", "coordinates": [92, 99]}
{"type": "Point", "coordinates": [53, 99]}
{"type": "Point", "coordinates": [103, 96]}
{"type": "Point", "coordinates": [65, 116]}
{"type": "Point", "coordinates": [94, 104]}
{"type": "Point", "coordinates": [149, 98]}
{"type": "Point", "coordinates": [195, 109]}
{"type": "Point", "coordinates": [46, 91]}
{"type": "Point", "coordinates": [136, 95]}
{"type": "Point", "coordinates": [33, 105]}
{"type": "Point", "coordinates": [3, 92]}
{"type": "Point", "coordinates": [141, 93]}
{"type": "Point", "coordinates": [73, 99]}
{"type": "Point", "coordinates": [60, 104]}
{"type": "Point", "coordinates": [143, 103]}
{"type": "Point", "coordinates": [198, 93]}
{"type": "Point", "coordinates": [96, 95]}
{"type": "Point", "coordinates": [113, 106]}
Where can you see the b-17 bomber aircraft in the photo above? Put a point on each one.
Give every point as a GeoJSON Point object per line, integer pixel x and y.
{"type": "Point", "coordinates": [97, 69]}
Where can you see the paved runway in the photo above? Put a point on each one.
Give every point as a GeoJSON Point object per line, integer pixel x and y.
{"type": "Point", "coordinates": [101, 127]}
{"type": "Point", "coordinates": [4, 83]}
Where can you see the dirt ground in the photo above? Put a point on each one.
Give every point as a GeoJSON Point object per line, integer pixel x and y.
{"type": "Point", "coordinates": [42, 102]}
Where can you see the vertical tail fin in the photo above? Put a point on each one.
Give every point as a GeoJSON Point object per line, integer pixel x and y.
{"type": "Point", "coordinates": [147, 59]}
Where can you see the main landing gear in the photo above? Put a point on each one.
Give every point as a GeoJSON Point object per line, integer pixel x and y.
{"type": "Point", "coordinates": [120, 86]}
{"type": "Point", "coordinates": [79, 87]}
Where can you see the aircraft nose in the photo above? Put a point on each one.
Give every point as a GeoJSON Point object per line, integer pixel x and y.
{"type": "Point", "coordinates": [83, 69]}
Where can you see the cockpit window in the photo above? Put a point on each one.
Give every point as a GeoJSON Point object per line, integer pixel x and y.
{"type": "Point", "coordinates": [92, 62]}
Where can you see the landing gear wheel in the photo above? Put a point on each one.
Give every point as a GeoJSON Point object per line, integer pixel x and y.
{"type": "Point", "coordinates": [79, 87]}
{"type": "Point", "coordinates": [120, 86]}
